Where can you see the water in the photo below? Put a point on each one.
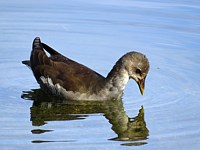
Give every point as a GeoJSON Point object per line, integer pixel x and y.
{"type": "Point", "coordinates": [97, 34]}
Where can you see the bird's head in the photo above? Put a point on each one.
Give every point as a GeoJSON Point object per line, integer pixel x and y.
{"type": "Point", "coordinates": [137, 66]}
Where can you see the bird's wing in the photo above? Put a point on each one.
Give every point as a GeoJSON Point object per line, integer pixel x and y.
{"type": "Point", "coordinates": [68, 73]}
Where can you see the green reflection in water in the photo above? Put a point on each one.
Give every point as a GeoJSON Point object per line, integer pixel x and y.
{"type": "Point", "coordinates": [46, 109]}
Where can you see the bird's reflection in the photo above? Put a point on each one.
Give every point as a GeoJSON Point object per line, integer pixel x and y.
{"type": "Point", "coordinates": [46, 109]}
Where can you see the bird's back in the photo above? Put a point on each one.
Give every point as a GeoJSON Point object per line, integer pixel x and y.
{"type": "Point", "coordinates": [69, 74]}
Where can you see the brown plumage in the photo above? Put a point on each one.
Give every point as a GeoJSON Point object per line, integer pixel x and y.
{"type": "Point", "coordinates": [68, 79]}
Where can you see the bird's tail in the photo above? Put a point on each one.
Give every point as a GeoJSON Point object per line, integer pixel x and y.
{"type": "Point", "coordinates": [37, 44]}
{"type": "Point", "coordinates": [38, 59]}
{"type": "Point", "coordinates": [27, 63]}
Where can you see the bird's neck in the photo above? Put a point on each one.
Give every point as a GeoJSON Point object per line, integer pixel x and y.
{"type": "Point", "coordinates": [117, 78]}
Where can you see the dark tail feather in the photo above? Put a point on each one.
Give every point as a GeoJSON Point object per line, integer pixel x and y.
{"type": "Point", "coordinates": [27, 63]}
{"type": "Point", "coordinates": [50, 50]}
{"type": "Point", "coordinates": [38, 59]}
{"type": "Point", "coordinates": [37, 43]}
{"type": "Point", "coordinates": [37, 53]}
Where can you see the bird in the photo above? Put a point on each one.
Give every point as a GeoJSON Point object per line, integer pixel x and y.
{"type": "Point", "coordinates": [65, 78]}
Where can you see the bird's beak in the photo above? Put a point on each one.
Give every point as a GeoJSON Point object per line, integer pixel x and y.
{"type": "Point", "coordinates": [141, 83]}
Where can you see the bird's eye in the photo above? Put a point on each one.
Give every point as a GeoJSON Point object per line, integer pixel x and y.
{"type": "Point", "coordinates": [138, 71]}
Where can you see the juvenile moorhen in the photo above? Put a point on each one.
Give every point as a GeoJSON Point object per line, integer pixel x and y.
{"type": "Point", "coordinates": [65, 78]}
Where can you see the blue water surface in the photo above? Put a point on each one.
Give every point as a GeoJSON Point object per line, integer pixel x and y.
{"type": "Point", "coordinates": [97, 34]}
